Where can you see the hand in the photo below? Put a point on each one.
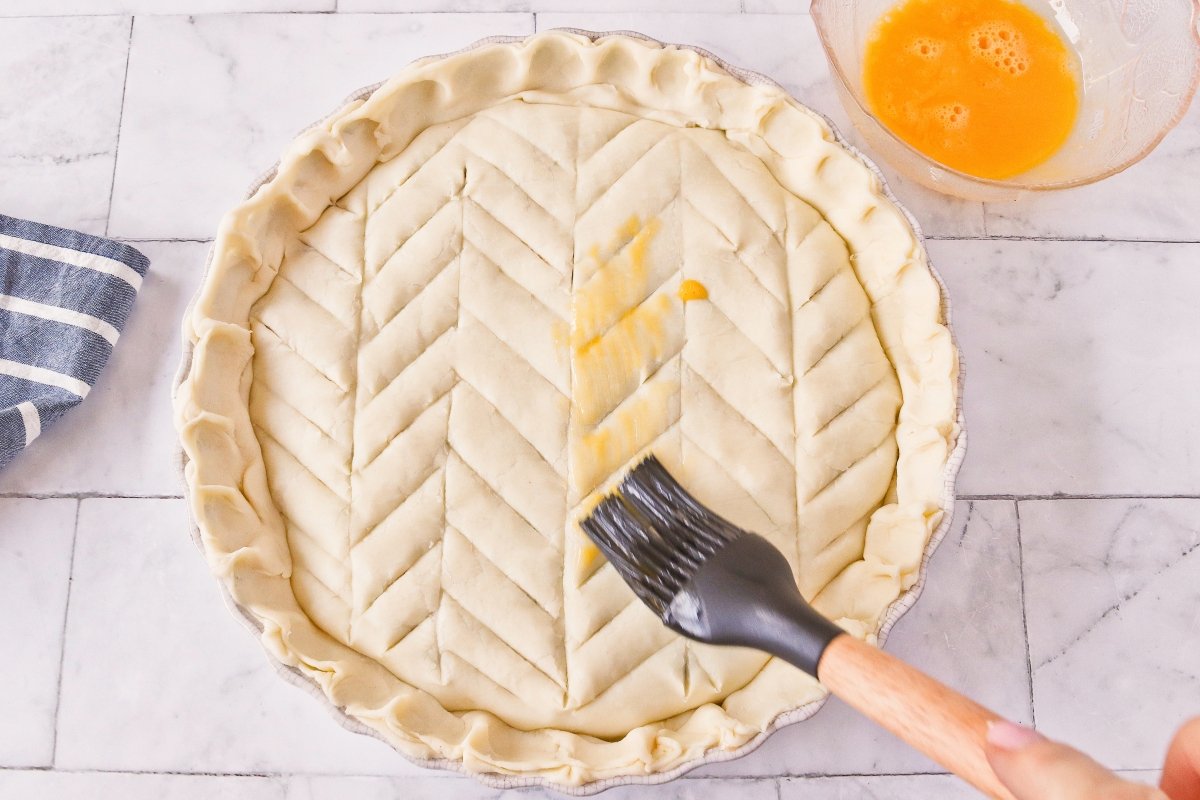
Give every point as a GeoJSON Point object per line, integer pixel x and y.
{"type": "Point", "coordinates": [1036, 768]}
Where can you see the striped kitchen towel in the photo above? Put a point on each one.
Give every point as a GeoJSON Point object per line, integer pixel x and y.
{"type": "Point", "coordinates": [64, 297]}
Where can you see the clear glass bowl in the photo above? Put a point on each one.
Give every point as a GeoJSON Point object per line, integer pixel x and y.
{"type": "Point", "coordinates": [1140, 61]}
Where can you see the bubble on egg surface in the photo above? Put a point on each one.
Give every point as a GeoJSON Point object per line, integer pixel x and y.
{"type": "Point", "coordinates": [1001, 45]}
{"type": "Point", "coordinates": [926, 48]}
{"type": "Point", "coordinates": [952, 116]}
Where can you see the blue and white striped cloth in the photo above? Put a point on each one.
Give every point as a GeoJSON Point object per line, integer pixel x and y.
{"type": "Point", "coordinates": [64, 298]}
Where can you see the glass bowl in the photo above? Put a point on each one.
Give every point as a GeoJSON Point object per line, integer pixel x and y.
{"type": "Point", "coordinates": [1140, 62]}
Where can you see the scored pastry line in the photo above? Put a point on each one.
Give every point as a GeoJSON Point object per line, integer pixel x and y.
{"type": "Point", "coordinates": [277, 399]}
{"type": "Point", "coordinates": [433, 346]}
{"type": "Point", "coordinates": [430, 287]}
{"type": "Point", "coordinates": [496, 492]}
{"type": "Point", "coordinates": [395, 437]}
{"type": "Point", "coordinates": [465, 611]}
{"type": "Point", "coordinates": [307, 242]}
{"type": "Point", "coordinates": [278, 445]}
{"type": "Point", "coordinates": [399, 506]}
{"type": "Point", "coordinates": [285, 281]}
{"type": "Point", "coordinates": [557, 274]}
{"type": "Point", "coordinates": [790, 458]}
{"type": "Point", "coordinates": [316, 543]}
{"type": "Point", "coordinates": [750, 210]}
{"type": "Point", "coordinates": [262, 326]}
{"type": "Point", "coordinates": [882, 442]}
{"type": "Point", "coordinates": [429, 159]}
{"type": "Point", "coordinates": [748, 491]}
{"type": "Point", "coordinates": [850, 407]}
{"type": "Point", "coordinates": [511, 343]}
{"type": "Point", "coordinates": [630, 126]}
{"type": "Point", "coordinates": [863, 520]}
{"type": "Point", "coordinates": [846, 334]}
{"type": "Point", "coordinates": [733, 248]}
{"type": "Point", "coordinates": [498, 121]}
{"type": "Point", "coordinates": [581, 217]}
{"type": "Point", "coordinates": [302, 568]}
{"type": "Point", "coordinates": [507, 275]}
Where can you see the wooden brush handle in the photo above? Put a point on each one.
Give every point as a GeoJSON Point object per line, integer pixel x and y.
{"type": "Point", "coordinates": [929, 716]}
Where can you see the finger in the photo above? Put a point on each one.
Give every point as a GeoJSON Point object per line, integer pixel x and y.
{"type": "Point", "coordinates": [1181, 771]}
{"type": "Point", "coordinates": [1036, 768]}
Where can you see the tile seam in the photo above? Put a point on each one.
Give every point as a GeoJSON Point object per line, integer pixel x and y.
{"type": "Point", "coordinates": [62, 648]}
{"type": "Point", "coordinates": [112, 184]}
{"type": "Point", "coordinates": [1024, 613]}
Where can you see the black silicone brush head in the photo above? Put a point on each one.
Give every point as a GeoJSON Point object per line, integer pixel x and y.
{"type": "Point", "coordinates": [702, 575]}
{"type": "Point", "coordinates": [655, 534]}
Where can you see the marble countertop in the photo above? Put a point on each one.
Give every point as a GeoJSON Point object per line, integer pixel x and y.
{"type": "Point", "coordinates": [1066, 593]}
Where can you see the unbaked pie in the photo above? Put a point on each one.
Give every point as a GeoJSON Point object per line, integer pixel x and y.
{"type": "Point", "coordinates": [458, 311]}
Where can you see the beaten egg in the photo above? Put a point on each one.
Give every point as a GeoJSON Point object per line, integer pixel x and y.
{"type": "Point", "coordinates": [987, 87]}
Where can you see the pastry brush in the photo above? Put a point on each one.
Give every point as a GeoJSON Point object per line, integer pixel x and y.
{"type": "Point", "coordinates": [713, 582]}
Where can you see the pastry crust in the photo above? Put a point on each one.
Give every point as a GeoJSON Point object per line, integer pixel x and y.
{"type": "Point", "coordinates": [399, 401]}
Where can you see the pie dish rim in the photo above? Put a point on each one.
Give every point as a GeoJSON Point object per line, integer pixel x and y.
{"type": "Point", "coordinates": [894, 611]}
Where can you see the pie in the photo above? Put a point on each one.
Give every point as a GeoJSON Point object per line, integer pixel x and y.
{"type": "Point", "coordinates": [457, 313]}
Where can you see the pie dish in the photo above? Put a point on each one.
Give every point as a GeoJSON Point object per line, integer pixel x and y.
{"type": "Point", "coordinates": [462, 305]}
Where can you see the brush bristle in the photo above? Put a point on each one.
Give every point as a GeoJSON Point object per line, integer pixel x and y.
{"type": "Point", "coordinates": [655, 534]}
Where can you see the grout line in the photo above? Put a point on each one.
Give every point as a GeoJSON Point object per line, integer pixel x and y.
{"type": "Point", "coordinates": [1060, 496]}
{"type": "Point", "coordinates": [62, 16]}
{"type": "Point", "coordinates": [62, 651]}
{"type": "Point", "coordinates": [86, 496]}
{"type": "Point", "coordinates": [200, 774]}
{"type": "Point", "coordinates": [1099, 239]}
{"type": "Point", "coordinates": [1024, 613]}
{"type": "Point", "coordinates": [112, 186]}
{"type": "Point", "coordinates": [448, 775]}
{"type": "Point", "coordinates": [266, 13]}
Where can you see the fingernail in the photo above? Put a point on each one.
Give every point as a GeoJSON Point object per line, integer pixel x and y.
{"type": "Point", "coordinates": [1010, 736]}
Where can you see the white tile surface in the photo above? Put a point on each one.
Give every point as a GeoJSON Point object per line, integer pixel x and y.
{"type": "Point", "coordinates": [35, 563]}
{"type": "Point", "coordinates": [440, 6]}
{"type": "Point", "coordinates": [1158, 198]}
{"type": "Point", "coordinates": [63, 7]}
{"type": "Point", "coordinates": [60, 88]}
{"type": "Point", "coordinates": [649, 6]}
{"type": "Point", "coordinates": [35, 785]}
{"type": "Point", "coordinates": [777, 6]}
{"type": "Point", "coordinates": [1081, 365]}
{"type": "Point", "coordinates": [212, 101]}
{"type": "Point", "coordinates": [787, 49]}
{"type": "Point", "coordinates": [966, 630]}
{"type": "Point", "coordinates": [461, 788]}
{"type": "Point", "coordinates": [159, 676]}
{"type": "Point", "coordinates": [925, 787]}
{"type": "Point", "coordinates": [908, 787]}
{"type": "Point", "coordinates": [1114, 622]}
{"type": "Point", "coordinates": [658, 6]}
{"type": "Point", "coordinates": [125, 427]}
